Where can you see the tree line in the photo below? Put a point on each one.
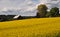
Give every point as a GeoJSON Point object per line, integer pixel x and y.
{"type": "Point", "coordinates": [43, 11]}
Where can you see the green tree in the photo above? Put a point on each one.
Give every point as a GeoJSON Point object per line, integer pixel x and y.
{"type": "Point", "coordinates": [54, 12]}
{"type": "Point", "coordinates": [48, 14]}
{"type": "Point", "coordinates": [42, 10]}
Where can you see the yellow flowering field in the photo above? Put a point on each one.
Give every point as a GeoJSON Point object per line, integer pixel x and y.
{"type": "Point", "coordinates": [35, 27]}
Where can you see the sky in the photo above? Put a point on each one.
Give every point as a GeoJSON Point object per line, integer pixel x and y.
{"type": "Point", "coordinates": [18, 4]}
{"type": "Point", "coordinates": [26, 7]}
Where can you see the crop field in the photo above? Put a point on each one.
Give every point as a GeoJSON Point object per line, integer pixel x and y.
{"type": "Point", "coordinates": [34, 27]}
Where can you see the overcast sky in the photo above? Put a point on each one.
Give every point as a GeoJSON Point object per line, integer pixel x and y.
{"type": "Point", "coordinates": [18, 4]}
{"type": "Point", "coordinates": [26, 5]}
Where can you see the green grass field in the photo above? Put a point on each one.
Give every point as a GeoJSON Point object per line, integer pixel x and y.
{"type": "Point", "coordinates": [35, 27]}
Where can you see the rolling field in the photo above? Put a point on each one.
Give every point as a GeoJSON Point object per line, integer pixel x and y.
{"type": "Point", "coordinates": [35, 27]}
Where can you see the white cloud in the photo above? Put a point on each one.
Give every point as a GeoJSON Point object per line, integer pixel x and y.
{"type": "Point", "coordinates": [51, 3]}
{"type": "Point", "coordinates": [16, 4]}
{"type": "Point", "coordinates": [26, 5]}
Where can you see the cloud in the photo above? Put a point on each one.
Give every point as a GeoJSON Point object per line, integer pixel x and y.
{"type": "Point", "coordinates": [26, 6]}
{"type": "Point", "coordinates": [50, 3]}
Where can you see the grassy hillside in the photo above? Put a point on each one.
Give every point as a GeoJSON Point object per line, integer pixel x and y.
{"type": "Point", "coordinates": [37, 27]}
